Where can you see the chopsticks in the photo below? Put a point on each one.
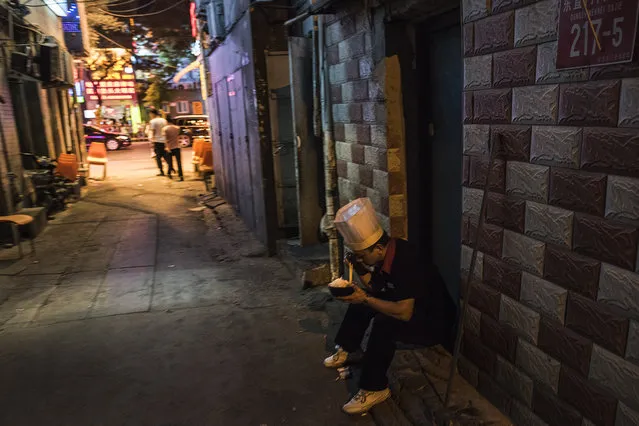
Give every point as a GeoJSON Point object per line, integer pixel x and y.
{"type": "Point", "coordinates": [350, 272]}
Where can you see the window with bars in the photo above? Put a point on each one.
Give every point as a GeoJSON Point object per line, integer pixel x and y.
{"type": "Point", "coordinates": [183, 107]}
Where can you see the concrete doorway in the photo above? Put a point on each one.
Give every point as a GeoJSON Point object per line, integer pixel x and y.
{"type": "Point", "coordinates": [434, 177]}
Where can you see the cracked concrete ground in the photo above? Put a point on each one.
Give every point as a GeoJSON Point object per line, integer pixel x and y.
{"type": "Point", "coordinates": [138, 311]}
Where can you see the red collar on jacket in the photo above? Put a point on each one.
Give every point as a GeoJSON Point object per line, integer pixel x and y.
{"type": "Point", "coordinates": [390, 256]}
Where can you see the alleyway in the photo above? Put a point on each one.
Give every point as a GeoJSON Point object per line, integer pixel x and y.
{"type": "Point", "coordinates": [139, 311]}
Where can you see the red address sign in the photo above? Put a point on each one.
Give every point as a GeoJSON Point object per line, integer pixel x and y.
{"type": "Point", "coordinates": [614, 22]}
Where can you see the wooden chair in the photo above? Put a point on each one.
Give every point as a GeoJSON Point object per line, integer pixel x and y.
{"type": "Point", "coordinates": [98, 155]}
{"type": "Point", "coordinates": [198, 146]}
{"type": "Point", "coordinates": [17, 220]}
{"type": "Point", "coordinates": [67, 166]}
{"type": "Point", "coordinates": [206, 165]}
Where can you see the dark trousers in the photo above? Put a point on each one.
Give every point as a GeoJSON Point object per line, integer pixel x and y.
{"type": "Point", "coordinates": [385, 333]}
{"type": "Point", "coordinates": [177, 154]}
{"type": "Point", "coordinates": [160, 153]}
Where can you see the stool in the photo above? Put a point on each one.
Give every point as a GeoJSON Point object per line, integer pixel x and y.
{"type": "Point", "coordinates": [15, 221]}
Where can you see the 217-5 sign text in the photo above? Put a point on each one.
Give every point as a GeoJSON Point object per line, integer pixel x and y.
{"type": "Point", "coordinates": [607, 38]}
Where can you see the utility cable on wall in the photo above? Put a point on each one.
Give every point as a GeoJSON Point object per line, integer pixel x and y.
{"type": "Point", "coordinates": [139, 15]}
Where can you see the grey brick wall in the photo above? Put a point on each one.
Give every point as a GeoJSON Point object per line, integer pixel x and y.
{"type": "Point", "coordinates": [10, 138]}
{"type": "Point", "coordinates": [359, 111]}
{"type": "Point", "coordinates": [554, 319]}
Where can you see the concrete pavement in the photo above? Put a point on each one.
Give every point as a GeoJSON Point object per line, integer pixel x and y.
{"type": "Point", "coordinates": [138, 311]}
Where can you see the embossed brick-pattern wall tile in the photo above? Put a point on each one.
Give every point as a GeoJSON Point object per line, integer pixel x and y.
{"type": "Point", "coordinates": [476, 139]}
{"type": "Point", "coordinates": [490, 239]}
{"type": "Point", "coordinates": [554, 411]}
{"type": "Point", "coordinates": [578, 191]}
{"type": "Point", "coordinates": [486, 299]}
{"type": "Point", "coordinates": [544, 297]}
{"type": "Point", "coordinates": [494, 33]}
{"type": "Point", "coordinates": [515, 142]}
{"type": "Point", "coordinates": [473, 10]}
{"type": "Point", "coordinates": [514, 67]}
{"type": "Point", "coordinates": [556, 146]}
{"type": "Point", "coordinates": [468, 371]}
{"type": "Point", "coordinates": [622, 198]}
{"type": "Point", "coordinates": [505, 212]}
{"type": "Point", "coordinates": [572, 271]}
{"type": "Point", "coordinates": [471, 202]}
{"type": "Point", "coordinates": [547, 70]}
{"type": "Point", "coordinates": [527, 181]}
{"type": "Point", "coordinates": [609, 241]}
{"type": "Point", "coordinates": [467, 100]}
{"type": "Point", "coordinates": [478, 353]}
{"type": "Point", "coordinates": [504, 5]}
{"type": "Point", "coordinates": [524, 321]}
{"type": "Point", "coordinates": [492, 106]}
{"type": "Point", "coordinates": [472, 321]}
{"type": "Point", "coordinates": [469, 39]}
{"type": "Point", "coordinates": [619, 288]}
{"type": "Point", "coordinates": [589, 104]}
{"type": "Point", "coordinates": [632, 350]}
{"type": "Point", "coordinates": [522, 415]}
{"type": "Point", "coordinates": [616, 375]}
{"type": "Point", "coordinates": [535, 104]}
{"type": "Point", "coordinates": [502, 277]}
{"type": "Point", "coordinates": [610, 72]}
{"type": "Point", "coordinates": [513, 380]}
{"type": "Point", "coordinates": [565, 345]}
{"type": "Point", "coordinates": [524, 252]}
{"type": "Point", "coordinates": [538, 364]}
{"type": "Point", "coordinates": [598, 322]}
{"type": "Point", "coordinates": [498, 337]}
{"type": "Point", "coordinates": [591, 400]}
{"type": "Point", "coordinates": [626, 416]}
{"type": "Point", "coordinates": [376, 157]}
{"type": "Point", "coordinates": [478, 72]}
{"type": "Point", "coordinates": [478, 169]}
{"type": "Point", "coordinates": [549, 224]}
{"type": "Point", "coordinates": [611, 150]}
{"type": "Point", "coordinates": [629, 103]}
{"type": "Point", "coordinates": [465, 169]}
{"type": "Point", "coordinates": [466, 257]}
{"type": "Point", "coordinates": [536, 23]}
{"type": "Point", "coordinates": [497, 396]}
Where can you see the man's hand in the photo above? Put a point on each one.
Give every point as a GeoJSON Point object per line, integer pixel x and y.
{"type": "Point", "coordinates": [358, 296]}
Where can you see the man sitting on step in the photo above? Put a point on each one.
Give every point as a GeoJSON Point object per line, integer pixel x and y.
{"type": "Point", "coordinates": [404, 295]}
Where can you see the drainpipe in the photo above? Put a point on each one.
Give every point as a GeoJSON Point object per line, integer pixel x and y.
{"type": "Point", "coordinates": [330, 163]}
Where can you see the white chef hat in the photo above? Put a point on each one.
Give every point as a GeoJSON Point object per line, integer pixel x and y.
{"type": "Point", "coordinates": [358, 224]}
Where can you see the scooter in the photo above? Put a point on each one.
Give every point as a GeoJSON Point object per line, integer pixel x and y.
{"type": "Point", "coordinates": [51, 191]}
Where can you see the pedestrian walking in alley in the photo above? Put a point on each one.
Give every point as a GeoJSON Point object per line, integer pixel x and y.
{"type": "Point", "coordinates": [157, 124]}
{"type": "Point", "coordinates": [171, 133]}
{"type": "Point", "coordinates": [405, 297]}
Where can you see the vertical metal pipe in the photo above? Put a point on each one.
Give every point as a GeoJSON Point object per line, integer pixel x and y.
{"type": "Point", "coordinates": [494, 150]}
{"type": "Point", "coordinates": [317, 86]}
{"type": "Point", "coordinates": [330, 162]}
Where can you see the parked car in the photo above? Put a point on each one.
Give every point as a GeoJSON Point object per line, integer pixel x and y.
{"type": "Point", "coordinates": [192, 126]}
{"type": "Point", "coordinates": [113, 141]}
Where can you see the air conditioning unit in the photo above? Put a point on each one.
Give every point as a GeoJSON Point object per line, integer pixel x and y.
{"type": "Point", "coordinates": [215, 12]}
{"type": "Point", "coordinates": [67, 62]}
{"type": "Point", "coordinates": [51, 66]}
{"type": "Point", "coordinates": [24, 62]}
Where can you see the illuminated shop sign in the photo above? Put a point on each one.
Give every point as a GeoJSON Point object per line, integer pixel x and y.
{"type": "Point", "coordinates": [57, 7]}
{"type": "Point", "coordinates": [111, 90]}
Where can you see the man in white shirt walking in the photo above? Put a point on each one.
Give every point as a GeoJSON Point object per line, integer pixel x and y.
{"type": "Point", "coordinates": [157, 137]}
